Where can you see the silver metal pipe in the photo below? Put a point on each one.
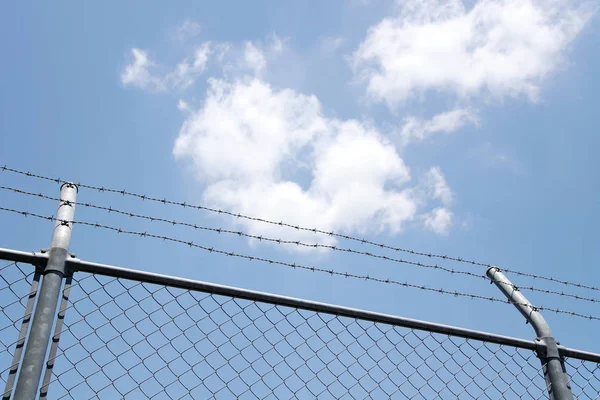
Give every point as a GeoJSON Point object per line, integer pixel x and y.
{"type": "Point", "coordinates": [148, 277]}
{"type": "Point", "coordinates": [55, 340]}
{"type": "Point", "coordinates": [14, 366]}
{"type": "Point", "coordinates": [579, 354]}
{"type": "Point", "coordinates": [548, 352]}
{"type": "Point", "coordinates": [189, 284]}
{"type": "Point", "coordinates": [45, 311]}
{"type": "Point", "coordinates": [24, 256]}
{"type": "Point", "coordinates": [512, 293]}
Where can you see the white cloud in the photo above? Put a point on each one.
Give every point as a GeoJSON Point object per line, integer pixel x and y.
{"type": "Point", "coordinates": [221, 50]}
{"type": "Point", "coordinates": [273, 153]}
{"type": "Point", "coordinates": [248, 140]}
{"type": "Point", "coordinates": [251, 58]}
{"type": "Point", "coordinates": [438, 220]}
{"type": "Point", "coordinates": [244, 130]}
{"type": "Point", "coordinates": [138, 73]}
{"type": "Point", "coordinates": [183, 106]}
{"type": "Point", "coordinates": [277, 44]}
{"type": "Point", "coordinates": [415, 129]}
{"type": "Point", "coordinates": [188, 29]}
{"type": "Point", "coordinates": [187, 72]}
{"type": "Point", "coordinates": [499, 47]}
{"type": "Point", "coordinates": [254, 58]}
{"type": "Point", "coordinates": [437, 186]}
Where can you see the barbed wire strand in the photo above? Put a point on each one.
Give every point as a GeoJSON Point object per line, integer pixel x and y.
{"type": "Point", "coordinates": [298, 243]}
{"type": "Point", "coordinates": [247, 235]}
{"type": "Point", "coordinates": [238, 215]}
{"type": "Point", "coordinates": [297, 227]}
{"type": "Point", "coordinates": [300, 266]}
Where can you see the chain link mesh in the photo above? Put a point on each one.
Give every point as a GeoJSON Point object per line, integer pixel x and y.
{"type": "Point", "coordinates": [17, 289]}
{"type": "Point", "coordinates": [128, 339]}
{"type": "Point", "coordinates": [585, 378]}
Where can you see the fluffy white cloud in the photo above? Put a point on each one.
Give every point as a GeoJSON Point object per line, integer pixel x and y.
{"type": "Point", "coordinates": [254, 58]}
{"type": "Point", "coordinates": [499, 47]}
{"type": "Point", "coordinates": [438, 220]}
{"type": "Point", "coordinates": [245, 130]}
{"type": "Point", "coordinates": [437, 186]}
{"type": "Point", "coordinates": [187, 72]}
{"type": "Point", "coordinates": [138, 73]}
{"type": "Point", "coordinates": [277, 44]}
{"type": "Point", "coordinates": [222, 50]}
{"type": "Point", "coordinates": [250, 58]}
{"type": "Point", "coordinates": [183, 106]}
{"type": "Point", "coordinates": [415, 129]}
{"type": "Point", "coordinates": [274, 154]}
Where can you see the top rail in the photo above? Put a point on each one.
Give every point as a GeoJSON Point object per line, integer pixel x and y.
{"type": "Point", "coordinates": [74, 264]}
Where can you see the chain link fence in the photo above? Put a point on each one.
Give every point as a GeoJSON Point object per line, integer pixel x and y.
{"type": "Point", "coordinates": [124, 338]}
{"type": "Point", "coordinates": [18, 287]}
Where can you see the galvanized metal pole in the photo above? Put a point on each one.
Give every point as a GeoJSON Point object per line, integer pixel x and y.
{"type": "Point", "coordinates": [554, 369]}
{"type": "Point", "coordinates": [45, 312]}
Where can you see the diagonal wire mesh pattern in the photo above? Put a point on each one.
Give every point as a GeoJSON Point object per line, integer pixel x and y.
{"type": "Point", "coordinates": [127, 339]}
{"type": "Point", "coordinates": [585, 378]}
{"type": "Point", "coordinates": [18, 287]}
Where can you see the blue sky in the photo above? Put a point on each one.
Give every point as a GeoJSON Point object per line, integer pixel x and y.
{"type": "Point", "coordinates": [479, 120]}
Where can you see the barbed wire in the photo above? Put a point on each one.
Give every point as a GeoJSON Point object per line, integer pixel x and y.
{"type": "Point", "coordinates": [299, 266]}
{"type": "Point", "coordinates": [238, 215]}
{"type": "Point", "coordinates": [248, 235]}
{"type": "Point", "coordinates": [297, 227]}
{"type": "Point", "coordinates": [296, 242]}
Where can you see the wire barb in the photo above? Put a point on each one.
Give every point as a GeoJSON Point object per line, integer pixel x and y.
{"type": "Point", "coordinates": [283, 224]}
{"type": "Point", "coordinates": [313, 269]}
{"type": "Point", "coordinates": [298, 243]}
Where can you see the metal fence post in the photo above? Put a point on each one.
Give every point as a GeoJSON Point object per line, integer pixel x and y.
{"type": "Point", "coordinates": [45, 311]}
{"type": "Point", "coordinates": [552, 363]}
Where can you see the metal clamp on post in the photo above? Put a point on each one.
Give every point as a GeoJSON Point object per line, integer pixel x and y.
{"type": "Point", "coordinates": [56, 253]}
{"type": "Point", "coordinates": [40, 264]}
{"type": "Point", "coordinates": [70, 259]}
{"type": "Point", "coordinates": [546, 347]}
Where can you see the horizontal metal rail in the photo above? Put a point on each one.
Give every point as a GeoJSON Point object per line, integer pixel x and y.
{"type": "Point", "coordinates": [29, 257]}
{"type": "Point", "coordinates": [75, 264]}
